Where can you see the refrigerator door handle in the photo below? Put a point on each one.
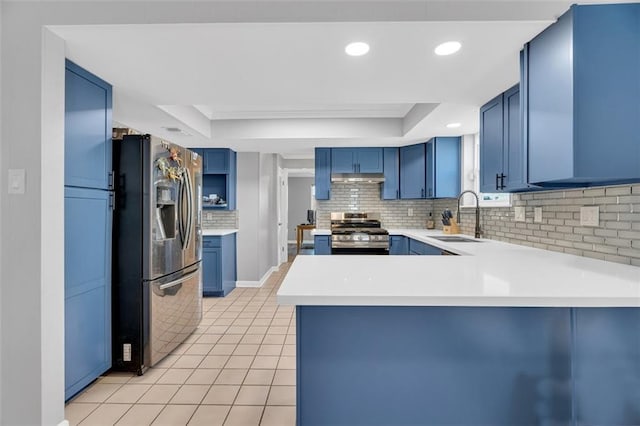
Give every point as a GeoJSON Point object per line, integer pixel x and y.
{"type": "Point", "coordinates": [189, 224]}
{"type": "Point", "coordinates": [178, 281]}
{"type": "Point", "coordinates": [181, 201]}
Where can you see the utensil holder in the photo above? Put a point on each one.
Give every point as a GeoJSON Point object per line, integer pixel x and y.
{"type": "Point", "coordinates": [451, 229]}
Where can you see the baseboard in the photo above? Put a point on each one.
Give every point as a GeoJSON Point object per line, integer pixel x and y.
{"type": "Point", "coordinates": [303, 242]}
{"type": "Point", "coordinates": [260, 283]}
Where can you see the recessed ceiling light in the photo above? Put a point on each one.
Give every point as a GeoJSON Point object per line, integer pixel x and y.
{"type": "Point", "coordinates": [357, 48]}
{"type": "Point", "coordinates": [447, 48]}
{"type": "Point", "coordinates": [453, 125]}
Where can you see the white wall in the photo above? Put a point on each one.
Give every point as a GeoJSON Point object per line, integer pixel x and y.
{"type": "Point", "coordinates": [248, 215]}
{"type": "Point", "coordinates": [268, 213]}
{"type": "Point", "coordinates": [52, 225]}
{"type": "Point", "coordinates": [299, 203]}
{"type": "Point", "coordinates": [2, 186]}
{"type": "Point", "coordinates": [257, 209]}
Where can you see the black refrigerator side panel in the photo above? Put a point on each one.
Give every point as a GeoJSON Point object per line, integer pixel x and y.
{"type": "Point", "coordinates": [130, 307]}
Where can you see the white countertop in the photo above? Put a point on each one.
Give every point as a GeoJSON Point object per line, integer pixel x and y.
{"type": "Point", "coordinates": [488, 273]}
{"type": "Point", "coordinates": [218, 232]}
{"type": "Point", "coordinates": [321, 231]}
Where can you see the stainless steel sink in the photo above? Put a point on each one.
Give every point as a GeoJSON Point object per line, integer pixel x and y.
{"type": "Point", "coordinates": [455, 239]}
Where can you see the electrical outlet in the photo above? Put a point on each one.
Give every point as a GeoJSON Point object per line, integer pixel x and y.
{"type": "Point", "coordinates": [126, 352]}
{"type": "Point", "coordinates": [537, 214]}
{"type": "Point", "coordinates": [519, 214]}
{"type": "Point", "coordinates": [16, 181]}
{"type": "Point", "coordinates": [590, 216]}
{"type": "Point", "coordinates": [209, 216]}
{"type": "Point", "coordinates": [410, 212]}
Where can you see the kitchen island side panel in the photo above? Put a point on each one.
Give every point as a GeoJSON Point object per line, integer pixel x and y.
{"type": "Point", "coordinates": [366, 365]}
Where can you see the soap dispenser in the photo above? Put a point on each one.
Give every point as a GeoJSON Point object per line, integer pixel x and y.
{"type": "Point", "coordinates": [431, 224]}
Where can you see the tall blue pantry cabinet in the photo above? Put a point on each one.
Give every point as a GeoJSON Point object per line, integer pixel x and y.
{"type": "Point", "coordinates": [88, 221]}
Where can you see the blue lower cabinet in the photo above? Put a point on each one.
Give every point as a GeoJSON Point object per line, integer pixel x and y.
{"type": "Point", "coordinates": [449, 365]}
{"type": "Point", "coordinates": [409, 365]}
{"type": "Point", "coordinates": [322, 244]}
{"type": "Point", "coordinates": [607, 366]}
{"type": "Point", "coordinates": [87, 286]}
{"type": "Point", "coordinates": [219, 266]}
{"type": "Point", "coordinates": [422, 249]}
{"type": "Point", "coordinates": [398, 245]}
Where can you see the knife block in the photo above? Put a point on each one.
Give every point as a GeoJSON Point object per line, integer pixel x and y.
{"type": "Point", "coordinates": [451, 229]}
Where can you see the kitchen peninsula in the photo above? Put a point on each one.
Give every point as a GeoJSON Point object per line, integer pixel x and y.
{"type": "Point", "coordinates": [499, 335]}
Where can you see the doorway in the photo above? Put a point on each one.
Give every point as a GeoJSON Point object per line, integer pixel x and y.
{"type": "Point", "coordinates": [295, 198]}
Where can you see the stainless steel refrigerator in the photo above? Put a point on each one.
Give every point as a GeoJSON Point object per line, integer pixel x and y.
{"type": "Point", "coordinates": [157, 279]}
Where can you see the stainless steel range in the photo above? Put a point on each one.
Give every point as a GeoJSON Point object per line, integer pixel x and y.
{"type": "Point", "coordinates": [358, 233]}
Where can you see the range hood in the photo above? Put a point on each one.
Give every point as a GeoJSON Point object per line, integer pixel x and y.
{"type": "Point", "coordinates": [357, 177]}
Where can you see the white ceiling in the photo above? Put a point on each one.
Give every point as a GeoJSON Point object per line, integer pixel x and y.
{"type": "Point", "coordinates": [287, 87]}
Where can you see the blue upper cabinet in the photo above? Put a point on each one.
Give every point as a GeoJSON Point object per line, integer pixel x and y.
{"type": "Point", "coordinates": [390, 188]}
{"type": "Point", "coordinates": [323, 173]}
{"type": "Point", "coordinates": [412, 171]}
{"type": "Point", "coordinates": [232, 181]}
{"type": "Point", "coordinates": [491, 144]}
{"type": "Point", "coordinates": [216, 160]}
{"type": "Point", "coordinates": [87, 129]}
{"type": "Point", "coordinates": [219, 176]}
{"type": "Point", "coordinates": [582, 91]}
{"type": "Point", "coordinates": [514, 159]}
{"type": "Point", "coordinates": [370, 160]}
{"type": "Point", "coordinates": [502, 149]}
{"type": "Point", "coordinates": [356, 160]}
{"type": "Point", "coordinates": [343, 160]}
{"type": "Point", "coordinates": [430, 169]}
{"type": "Point", "coordinates": [443, 167]}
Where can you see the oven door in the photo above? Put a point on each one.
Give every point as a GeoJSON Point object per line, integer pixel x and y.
{"type": "Point", "coordinates": [359, 247]}
{"type": "Point", "coordinates": [360, 250]}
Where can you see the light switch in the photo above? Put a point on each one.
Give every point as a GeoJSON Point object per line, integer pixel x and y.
{"type": "Point", "coordinates": [519, 214]}
{"type": "Point", "coordinates": [590, 216]}
{"type": "Point", "coordinates": [537, 214]}
{"type": "Point", "coordinates": [16, 181]}
{"type": "Point", "coordinates": [410, 212]}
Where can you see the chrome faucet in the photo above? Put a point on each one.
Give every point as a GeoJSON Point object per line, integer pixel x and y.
{"type": "Point", "coordinates": [477, 230]}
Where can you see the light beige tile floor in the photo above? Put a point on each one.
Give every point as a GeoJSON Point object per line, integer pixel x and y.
{"type": "Point", "coordinates": [237, 368]}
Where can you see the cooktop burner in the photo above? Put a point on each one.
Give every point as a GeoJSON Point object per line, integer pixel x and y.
{"type": "Point", "coordinates": [370, 231]}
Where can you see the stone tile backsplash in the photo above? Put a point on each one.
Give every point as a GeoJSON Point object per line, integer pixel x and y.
{"type": "Point", "coordinates": [615, 239]}
{"type": "Point", "coordinates": [366, 198]}
{"type": "Point", "coordinates": [220, 219]}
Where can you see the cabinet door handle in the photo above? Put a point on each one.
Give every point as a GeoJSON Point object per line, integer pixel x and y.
{"type": "Point", "coordinates": [502, 185]}
{"type": "Point", "coordinates": [497, 178]}
{"type": "Point", "coordinates": [397, 194]}
{"type": "Point", "coordinates": [422, 192]}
